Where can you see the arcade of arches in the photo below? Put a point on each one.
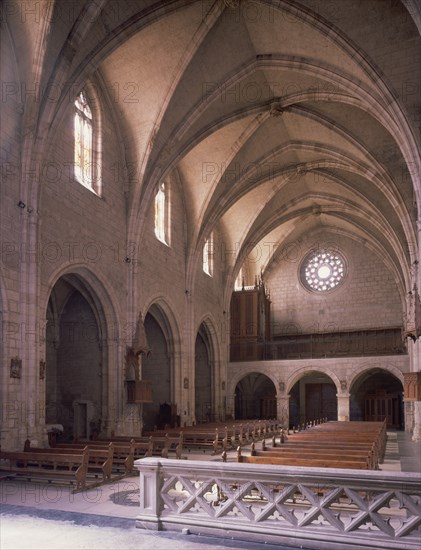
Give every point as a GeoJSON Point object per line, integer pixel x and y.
{"type": "Point", "coordinates": [209, 210]}
{"type": "Point", "coordinates": [375, 395]}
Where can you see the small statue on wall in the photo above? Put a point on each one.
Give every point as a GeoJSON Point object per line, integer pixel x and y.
{"type": "Point", "coordinates": [132, 365]}
{"type": "Point", "coordinates": [140, 346]}
{"type": "Point", "coordinates": [15, 367]}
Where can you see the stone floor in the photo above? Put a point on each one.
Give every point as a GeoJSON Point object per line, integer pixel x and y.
{"type": "Point", "coordinates": [37, 517]}
{"type": "Point", "coordinates": [402, 454]}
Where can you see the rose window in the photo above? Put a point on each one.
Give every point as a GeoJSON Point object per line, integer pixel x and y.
{"type": "Point", "coordinates": [322, 271]}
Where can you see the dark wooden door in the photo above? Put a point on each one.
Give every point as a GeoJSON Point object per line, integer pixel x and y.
{"type": "Point", "coordinates": [381, 405]}
{"type": "Point", "coordinates": [321, 402]}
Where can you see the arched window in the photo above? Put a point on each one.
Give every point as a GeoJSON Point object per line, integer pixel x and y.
{"type": "Point", "coordinates": [239, 281]}
{"type": "Point", "coordinates": [162, 214]}
{"type": "Point", "coordinates": [83, 160]}
{"type": "Point", "coordinates": [208, 255]}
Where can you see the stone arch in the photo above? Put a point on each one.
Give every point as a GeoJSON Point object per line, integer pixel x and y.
{"type": "Point", "coordinates": [162, 366]}
{"type": "Point", "coordinates": [255, 396]}
{"type": "Point", "coordinates": [395, 371]}
{"type": "Point", "coordinates": [236, 378]}
{"type": "Point", "coordinates": [312, 395]}
{"type": "Point", "coordinates": [205, 382]}
{"type": "Point", "coordinates": [309, 370]}
{"type": "Point", "coordinates": [164, 312]}
{"type": "Point", "coordinates": [81, 351]}
{"type": "Point", "coordinates": [209, 326]}
{"type": "Point", "coordinates": [376, 394]}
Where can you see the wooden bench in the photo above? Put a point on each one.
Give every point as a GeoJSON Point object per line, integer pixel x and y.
{"type": "Point", "coordinates": [335, 449]}
{"type": "Point", "coordinates": [162, 445]}
{"type": "Point", "coordinates": [316, 453]}
{"type": "Point", "coordinates": [143, 446]}
{"type": "Point", "coordinates": [213, 439]}
{"type": "Point", "coordinates": [167, 445]}
{"type": "Point", "coordinates": [218, 436]}
{"type": "Point", "coordinates": [216, 439]}
{"type": "Point", "coordinates": [61, 468]}
{"type": "Point", "coordinates": [100, 458]}
{"type": "Point", "coordinates": [341, 438]}
{"type": "Point", "coordinates": [123, 453]}
{"type": "Point", "coordinates": [337, 444]}
{"type": "Point", "coordinates": [319, 462]}
{"type": "Point", "coordinates": [202, 440]}
{"type": "Point", "coordinates": [356, 445]}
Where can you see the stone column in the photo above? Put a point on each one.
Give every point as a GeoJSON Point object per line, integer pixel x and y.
{"type": "Point", "coordinates": [416, 436]}
{"type": "Point", "coordinates": [409, 416]}
{"type": "Point", "coordinates": [282, 409]}
{"type": "Point", "coordinates": [230, 407]}
{"type": "Point", "coordinates": [343, 406]}
{"type": "Point", "coordinates": [412, 400]}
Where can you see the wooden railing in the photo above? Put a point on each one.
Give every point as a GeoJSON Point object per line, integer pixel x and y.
{"type": "Point", "coordinates": [320, 345]}
{"type": "Point", "coordinates": [296, 506]}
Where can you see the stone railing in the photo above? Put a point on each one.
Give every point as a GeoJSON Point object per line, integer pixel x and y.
{"type": "Point", "coordinates": [302, 507]}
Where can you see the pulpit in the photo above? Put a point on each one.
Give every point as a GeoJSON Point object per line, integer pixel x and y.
{"type": "Point", "coordinates": [139, 391]}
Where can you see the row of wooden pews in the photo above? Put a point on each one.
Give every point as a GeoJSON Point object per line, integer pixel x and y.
{"type": "Point", "coordinates": [164, 445]}
{"type": "Point", "coordinates": [348, 445]}
{"type": "Point", "coordinates": [121, 462]}
{"type": "Point", "coordinates": [217, 437]}
{"type": "Point", "coordinates": [43, 466]}
{"type": "Point", "coordinates": [80, 465]}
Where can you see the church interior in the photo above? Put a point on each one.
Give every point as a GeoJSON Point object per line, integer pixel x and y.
{"type": "Point", "coordinates": [210, 211]}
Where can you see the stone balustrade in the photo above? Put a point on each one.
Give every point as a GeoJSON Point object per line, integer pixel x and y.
{"type": "Point", "coordinates": [303, 507]}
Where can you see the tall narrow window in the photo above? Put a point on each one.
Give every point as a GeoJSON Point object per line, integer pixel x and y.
{"type": "Point", "coordinates": [162, 214]}
{"type": "Point", "coordinates": [83, 142]}
{"type": "Point", "coordinates": [208, 256]}
{"type": "Point", "coordinates": [239, 281]}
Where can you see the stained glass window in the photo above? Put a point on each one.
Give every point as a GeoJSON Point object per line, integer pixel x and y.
{"type": "Point", "coordinates": [83, 160]}
{"type": "Point", "coordinates": [323, 270]}
{"type": "Point", "coordinates": [162, 214]}
{"type": "Point", "coordinates": [208, 255]}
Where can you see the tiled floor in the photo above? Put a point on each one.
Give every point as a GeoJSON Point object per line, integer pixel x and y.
{"type": "Point", "coordinates": [38, 517]}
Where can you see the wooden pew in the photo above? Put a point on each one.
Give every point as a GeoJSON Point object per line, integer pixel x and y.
{"type": "Point", "coordinates": [319, 462]}
{"type": "Point", "coordinates": [143, 446]}
{"type": "Point", "coordinates": [123, 454]}
{"type": "Point", "coordinates": [377, 430]}
{"type": "Point", "coordinates": [341, 436]}
{"type": "Point", "coordinates": [100, 458]}
{"type": "Point", "coordinates": [218, 436]}
{"type": "Point", "coordinates": [61, 468]}
{"type": "Point", "coordinates": [338, 444]}
{"type": "Point", "coordinates": [315, 453]}
{"type": "Point", "coordinates": [338, 449]}
{"type": "Point", "coordinates": [337, 437]}
{"type": "Point", "coordinates": [168, 445]}
{"type": "Point", "coordinates": [201, 439]}
{"type": "Point", "coordinates": [163, 445]}
{"type": "Point", "coordinates": [224, 437]}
